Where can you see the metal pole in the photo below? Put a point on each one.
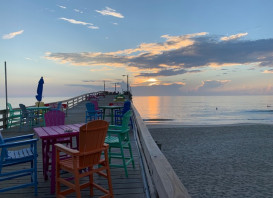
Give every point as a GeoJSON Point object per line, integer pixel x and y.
{"type": "Point", "coordinates": [6, 115]}
{"type": "Point", "coordinates": [6, 87]}
{"type": "Point", "coordinates": [127, 84]}
{"type": "Point", "coordinates": [104, 85]}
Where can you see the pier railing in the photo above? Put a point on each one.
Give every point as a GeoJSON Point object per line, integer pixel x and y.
{"type": "Point", "coordinates": [67, 104]}
{"type": "Point", "coordinates": [161, 179]}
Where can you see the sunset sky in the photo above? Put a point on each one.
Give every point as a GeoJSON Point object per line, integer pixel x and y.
{"type": "Point", "coordinates": [175, 47]}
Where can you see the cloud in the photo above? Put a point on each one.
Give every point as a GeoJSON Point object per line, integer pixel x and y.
{"type": "Point", "coordinates": [233, 37]}
{"type": "Point", "coordinates": [110, 12]}
{"type": "Point", "coordinates": [93, 27]}
{"type": "Point", "coordinates": [168, 72]}
{"type": "Point", "coordinates": [153, 81]}
{"type": "Point", "coordinates": [97, 81]}
{"type": "Point", "coordinates": [73, 21]}
{"type": "Point", "coordinates": [12, 35]}
{"type": "Point", "coordinates": [60, 6]}
{"type": "Point", "coordinates": [178, 55]}
{"type": "Point", "coordinates": [157, 90]}
{"type": "Point", "coordinates": [268, 71]}
{"type": "Point", "coordinates": [212, 84]}
{"type": "Point", "coordinates": [79, 11]}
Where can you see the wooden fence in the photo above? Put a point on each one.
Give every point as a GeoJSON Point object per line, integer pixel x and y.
{"type": "Point", "coordinates": [161, 179]}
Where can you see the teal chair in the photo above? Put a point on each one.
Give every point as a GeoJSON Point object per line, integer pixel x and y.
{"type": "Point", "coordinates": [118, 140]}
{"type": "Point", "coordinates": [12, 162]}
{"type": "Point", "coordinates": [91, 113]}
{"type": "Point", "coordinates": [13, 117]}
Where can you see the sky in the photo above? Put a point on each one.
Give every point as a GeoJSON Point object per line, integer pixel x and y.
{"type": "Point", "coordinates": [174, 47]}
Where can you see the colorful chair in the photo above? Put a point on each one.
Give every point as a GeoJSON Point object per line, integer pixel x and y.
{"type": "Point", "coordinates": [120, 113]}
{"type": "Point", "coordinates": [52, 118]}
{"type": "Point", "coordinates": [13, 117]}
{"type": "Point", "coordinates": [98, 110]}
{"type": "Point", "coordinates": [85, 162]}
{"type": "Point", "coordinates": [11, 157]}
{"type": "Point", "coordinates": [58, 107]}
{"type": "Point", "coordinates": [91, 113]}
{"type": "Point", "coordinates": [120, 97]}
{"type": "Point", "coordinates": [118, 139]}
{"type": "Point", "coordinates": [28, 117]}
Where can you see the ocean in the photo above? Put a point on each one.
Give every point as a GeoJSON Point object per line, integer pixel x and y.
{"type": "Point", "coordinates": [189, 110]}
{"type": "Point", "coordinates": [205, 110]}
{"type": "Point", "coordinates": [28, 101]}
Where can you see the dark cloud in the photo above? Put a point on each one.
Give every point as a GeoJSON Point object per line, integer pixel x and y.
{"type": "Point", "coordinates": [212, 84]}
{"type": "Point", "coordinates": [165, 72]}
{"type": "Point", "coordinates": [204, 51]}
{"type": "Point", "coordinates": [168, 72]}
{"type": "Point", "coordinates": [88, 81]}
{"type": "Point", "coordinates": [207, 51]}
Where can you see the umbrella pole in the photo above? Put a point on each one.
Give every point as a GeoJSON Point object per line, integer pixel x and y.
{"type": "Point", "coordinates": [6, 89]}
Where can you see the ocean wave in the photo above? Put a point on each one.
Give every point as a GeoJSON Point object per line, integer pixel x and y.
{"type": "Point", "coordinates": [259, 111]}
{"type": "Point", "coordinates": [158, 119]}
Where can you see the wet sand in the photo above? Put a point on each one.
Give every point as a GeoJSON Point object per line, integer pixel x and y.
{"type": "Point", "coordinates": [220, 161]}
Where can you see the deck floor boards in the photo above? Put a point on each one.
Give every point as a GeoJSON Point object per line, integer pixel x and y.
{"type": "Point", "coordinates": [123, 187]}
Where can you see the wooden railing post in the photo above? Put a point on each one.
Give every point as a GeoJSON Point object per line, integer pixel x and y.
{"type": "Point", "coordinates": [66, 108]}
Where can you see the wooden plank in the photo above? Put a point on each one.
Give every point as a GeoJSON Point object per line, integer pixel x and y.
{"type": "Point", "coordinates": [41, 132]}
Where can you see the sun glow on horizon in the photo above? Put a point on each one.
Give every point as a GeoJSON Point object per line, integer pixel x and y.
{"type": "Point", "coordinates": [152, 80]}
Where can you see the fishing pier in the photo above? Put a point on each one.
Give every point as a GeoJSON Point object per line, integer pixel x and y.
{"type": "Point", "coordinates": [152, 176]}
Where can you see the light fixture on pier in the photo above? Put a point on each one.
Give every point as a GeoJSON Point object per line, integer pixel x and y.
{"type": "Point", "coordinates": [127, 82]}
{"type": "Point", "coordinates": [116, 83]}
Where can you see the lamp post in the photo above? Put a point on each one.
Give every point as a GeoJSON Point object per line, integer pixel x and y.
{"type": "Point", "coordinates": [127, 83]}
{"type": "Point", "coordinates": [116, 83]}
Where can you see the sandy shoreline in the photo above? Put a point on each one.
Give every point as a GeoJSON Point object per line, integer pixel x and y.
{"type": "Point", "coordinates": [220, 161]}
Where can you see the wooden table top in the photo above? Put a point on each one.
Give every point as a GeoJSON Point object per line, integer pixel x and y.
{"type": "Point", "coordinates": [58, 131]}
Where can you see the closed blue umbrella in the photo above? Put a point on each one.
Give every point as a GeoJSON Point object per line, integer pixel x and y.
{"type": "Point", "coordinates": [40, 90]}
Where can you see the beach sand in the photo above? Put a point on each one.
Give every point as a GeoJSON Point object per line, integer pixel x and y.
{"type": "Point", "coordinates": [220, 161]}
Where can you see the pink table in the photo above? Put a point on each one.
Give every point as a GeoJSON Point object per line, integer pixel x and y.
{"type": "Point", "coordinates": [49, 135]}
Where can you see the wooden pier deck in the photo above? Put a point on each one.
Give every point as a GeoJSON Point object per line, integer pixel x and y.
{"type": "Point", "coordinates": [132, 187]}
